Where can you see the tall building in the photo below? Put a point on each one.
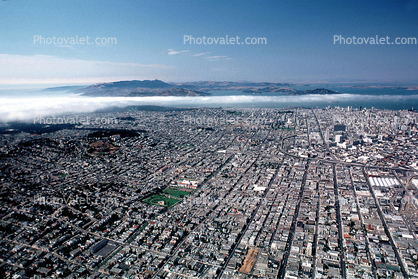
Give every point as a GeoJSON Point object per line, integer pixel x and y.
{"type": "Point", "coordinates": [396, 122]}
{"type": "Point", "coordinates": [338, 138]}
{"type": "Point", "coordinates": [339, 128]}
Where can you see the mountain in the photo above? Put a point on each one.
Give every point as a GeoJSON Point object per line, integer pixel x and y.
{"type": "Point", "coordinates": [131, 84]}
{"type": "Point", "coordinates": [160, 88]}
{"type": "Point", "coordinates": [125, 88]}
{"type": "Point", "coordinates": [146, 88]}
{"type": "Point", "coordinates": [320, 91]}
{"type": "Point", "coordinates": [271, 89]}
{"type": "Point", "coordinates": [228, 85]}
{"type": "Point", "coordinates": [288, 91]}
{"type": "Point", "coordinates": [167, 92]}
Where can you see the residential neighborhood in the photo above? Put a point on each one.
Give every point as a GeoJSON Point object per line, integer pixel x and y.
{"type": "Point", "coordinates": [214, 193]}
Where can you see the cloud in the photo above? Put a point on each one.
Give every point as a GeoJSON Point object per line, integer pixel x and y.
{"type": "Point", "coordinates": [175, 52]}
{"type": "Point", "coordinates": [27, 108]}
{"type": "Point", "coordinates": [210, 58]}
{"type": "Point", "coordinates": [200, 54]}
{"type": "Point", "coordinates": [65, 46]}
{"type": "Point", "coordinates": [218, 57]}
{"type": "Point", "coordinates": [18, 69]}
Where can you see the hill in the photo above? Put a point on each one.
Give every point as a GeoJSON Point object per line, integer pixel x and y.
{"type": "Point", "coordinates": [150, 88]}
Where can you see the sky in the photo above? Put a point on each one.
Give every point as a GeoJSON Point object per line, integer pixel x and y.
{"type": "Point", "coordinates": [145, 40]}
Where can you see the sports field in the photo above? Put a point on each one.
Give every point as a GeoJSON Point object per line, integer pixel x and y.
{"type": "Point", "coordinates": [161, 201]}
{"type": "Point", "coordinates": [176, 193]}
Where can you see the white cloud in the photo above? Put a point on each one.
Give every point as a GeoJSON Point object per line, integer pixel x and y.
{"type": "Point", "coordinates": [65, 46]}
{"type": "Point", "coordinates": [200, 54]}
{"type": "Point", "coordinates": [209, 58]}
{"type": "Point", "coordinates": [174, 52]}
{"type": "Point", "coordinates": [27, 108]}
{"type": "Point", "coordinates": [217, 58]}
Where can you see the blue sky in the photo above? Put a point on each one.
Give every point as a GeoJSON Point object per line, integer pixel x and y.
{"type": "Point", "coordinates": [149, 41]}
